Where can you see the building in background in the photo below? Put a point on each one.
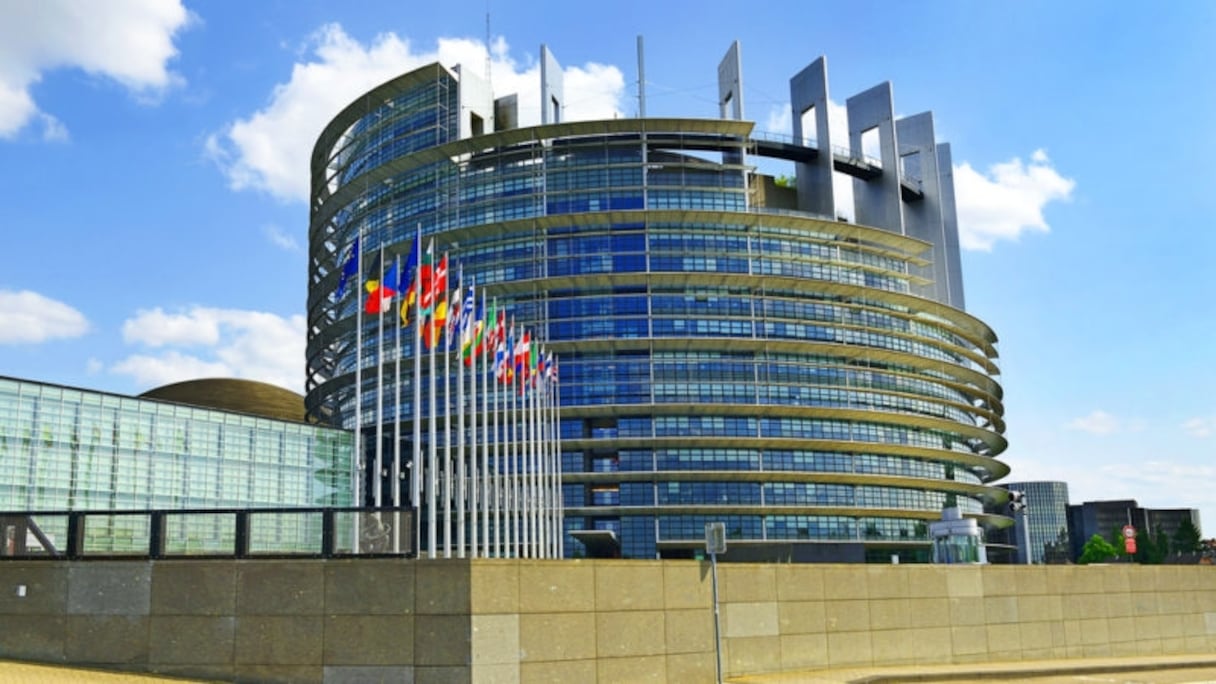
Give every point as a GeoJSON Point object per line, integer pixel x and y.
{"type": "Point", "coordinates": [221, 444]}
{"type": "Point", "coordinates": [1107, 518]}
{"type": "Point", "coordinates": [1046, 514]}
{"type": "Point", "coordinates": [732, 350]}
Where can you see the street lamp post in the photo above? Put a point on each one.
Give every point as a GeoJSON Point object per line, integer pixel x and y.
{"type": "Point", "coordinates": [1017, 506]}
{"type": "Point", "coordinates": [715, 543]}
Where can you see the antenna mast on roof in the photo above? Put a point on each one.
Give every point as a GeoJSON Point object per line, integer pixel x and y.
{"type": "Point", "coordinates": [641, 80]}
{"type": "Point", "coordinates": [489, 58]}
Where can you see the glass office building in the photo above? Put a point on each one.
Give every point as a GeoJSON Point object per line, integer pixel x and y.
{"type": "Point", "coordinates": [69, 449]}
{"type": "Point", "coordinates": [1046, 516]}
{"type": "Point", "coordinates": [730, 349]}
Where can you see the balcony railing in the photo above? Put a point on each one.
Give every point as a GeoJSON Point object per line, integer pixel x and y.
{"type": "Point", "coordinates": [207, 533]}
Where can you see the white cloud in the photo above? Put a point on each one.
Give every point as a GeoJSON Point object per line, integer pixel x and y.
{"type": "Point", "coordinates": [1006, 201]}
{"type": "Point", "coordinates": [1200, 427]}
{"type": "Point", "coordinates": [270, 149]}
{"type": "Point", "coordinates": [1098, 422]}
{"type": "Point", "coordinates": [28, 317]}
{"type": "Point", "coordinates": [128, 41]}
{"type": "Point", "coordinates": [1159, 484]}
{"type": "Point", "coordinates": [281, 238]}
{"type": "Point", "coordinates": [208, 342]}
{"type": "Point", "coordinates": [168, 368]}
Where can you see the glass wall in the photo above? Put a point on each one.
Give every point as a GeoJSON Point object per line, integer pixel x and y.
{"type": "Point", "coordinates": [70, 449]}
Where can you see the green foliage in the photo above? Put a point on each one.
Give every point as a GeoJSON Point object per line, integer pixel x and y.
{"type": "Point", "coordinates": [784, 181]}
{"type": "Point", "coordinates": [1149, 551]}
{"type": "Point", "coordinates": [1186, 538]}
{"type": "Point", "coordinates": [1116, 540]}
{"type": "Point", "coordinates": [1097, 550]}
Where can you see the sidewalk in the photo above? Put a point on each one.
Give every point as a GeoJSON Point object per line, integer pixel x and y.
{"type": "Point", "coordinates": [1143, 667]}
{"type": "Point", "coordinates": [12, 672]}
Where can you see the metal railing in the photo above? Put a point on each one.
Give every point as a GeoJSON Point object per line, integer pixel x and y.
{"type": "Point", "coordinates": [207, 533]}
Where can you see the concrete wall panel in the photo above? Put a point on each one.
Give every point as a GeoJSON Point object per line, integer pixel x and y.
{"type": "Point", "coordinates": [557, 636]}
{"type": "Point", "coordinates": [109, 588]}
{"type": "Point", "coordinates": [494, 587]}
{"type": "Point", "coordinates": [280, 588]}
{"type": "Point", "coordinates": [442, 587]}
{"type": "Point", "coordinates": [556, 586]}
{"type": "Point", "coordinates": [194, 588]}
{"type": "Point", "coordinates": [368, 640]}
{"type": "Point", "coordinates": [629, 586]}
{"type": "Point", "coordinates": [356, 588]}
{"type": "Point", "coordinates": [45, 589]}
{"type": "Point", "coordinates": [279, 640]}
{"type": "Point", "coordinates": [188, 640]}
{"type": "Point", "coordinates": [626, 634]}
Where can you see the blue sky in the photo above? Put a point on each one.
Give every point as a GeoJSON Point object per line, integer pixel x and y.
{"type": "Point", "coordinates": [155, 161]}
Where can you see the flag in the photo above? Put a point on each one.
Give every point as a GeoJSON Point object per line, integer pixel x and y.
{"type": "Point", "coordinates": [421, 287]}
{"type": "Point", "coordinates": [508, 359]}
{"type": "Point", "coordinates": [534, 363]}
{"type": "Point", "coordinates": [441, 323]}
{"type": "Point", "coordinates": [521, 356]}
{"type": "Point", "coordinates": [550, 368]}
{"type": "Point", "coordinates": [500, 327]}
{"type": "Point", "coordinates": [350, 268]}
{"type": "Point", "coordinates": [500, 361]}
{"type": "Point", "coordinates": [476, 346]}
{"type": "Point", "coordinates": [407, 280]}
{"type": "Point", "coordinates": [466, 326]}
{"type": "Point", "coordinates": [379, 292]}
{"type": "Point", "coordinates": [489, 329]}
{"type": "Point", "coordinates": [448, 323]}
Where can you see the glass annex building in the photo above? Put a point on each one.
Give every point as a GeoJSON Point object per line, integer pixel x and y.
{"type": "Point", "coordinates": [731, 350]}
{"type": "Point", "coordinates": [68, 449]}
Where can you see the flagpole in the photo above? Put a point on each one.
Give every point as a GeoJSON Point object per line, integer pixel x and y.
{"type": "Point", "coordinates": [461, 469]}
{"type": "Point", "coordinates": [416, 468]}
{"type": "Point", "coordinates": [468, 457]}
{"type": "Point", "coordinates": [378, 492]}
{"type": "Point", "coordinates": [526, 468]}
{"type": "Point", "coordinates": [396, 487]}
{"type": "Point", "coordinates": [557, 435]}
{"type": "Point", "coordinates": [508, 426]}
{"type": "Point", "coordinates": [497, 462]}
{"type": "Point", "coordinates": [485, 424]}
{"type": "Point", "coordinates": [534, 461]}
{"type": "Point", "coordinates": [432, 457]}
{"type": "Point", "coordinates": [447, 429]}
{"type": "Point", "coordinates": [358, 459]}
{"type": "Point", "coordinates": [542, 455]}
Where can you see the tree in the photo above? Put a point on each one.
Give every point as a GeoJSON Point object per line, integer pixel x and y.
{"type": "Point", "coordinates": [1116, 541]}
{"type": "Point", "coordinates": [1097, 550]}
{"type": "Point", "coordinates": [1148, 550]}
{"type": "Point", "coordinates": [1163, 543]}
{"type": "Point", "coordinates": [1186, 537]}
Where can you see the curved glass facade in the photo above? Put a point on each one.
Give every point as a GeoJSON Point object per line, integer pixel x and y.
{"type": "Point", "coordinates": [721, 360]}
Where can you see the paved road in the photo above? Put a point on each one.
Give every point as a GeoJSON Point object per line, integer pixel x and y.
{"type": "Point", "coordinates": [1188, 669]}
{"type": "Point", "coordinates": [1179, 676]}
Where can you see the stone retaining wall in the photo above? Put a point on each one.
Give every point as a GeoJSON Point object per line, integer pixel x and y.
{"type": "Point", "coordinates": [582, 621]}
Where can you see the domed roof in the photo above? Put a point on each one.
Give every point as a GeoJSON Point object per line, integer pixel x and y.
{"type": "Point", "coordinates": [231, 394]}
